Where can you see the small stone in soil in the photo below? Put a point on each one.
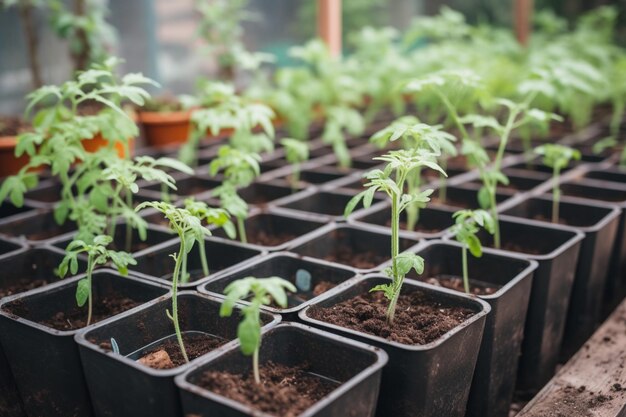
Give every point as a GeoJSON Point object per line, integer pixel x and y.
{"type": "Point", "coordinates": [157, 360]}
{"type": "Point", "coordinates": [196, 345]}
{"type": "Point", "coordinates": [283, 392]}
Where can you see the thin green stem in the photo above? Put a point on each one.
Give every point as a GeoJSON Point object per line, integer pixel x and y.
{"type": "Point", "coordinates": [412, 211]}
{"type": "Point", "coordinates": [395, 249]}
{"type": "Point", "coordinates": [174, 316]}
{"type": "Point", "coordinates": [241, 227]}
{"type": "Point", "coordinates": [90, 266]}
{"type": "Point", "coordinates": [184, 276]}
{"type": "Point", "coordinates": [255, 366]}
{"type": "Point", "coordinates": [443, 181]}
{"type": "Point", "coordinates": [203, 261]}
{"type": "Point", "coordinates": [496, 218]}
{"type": "Point", "coordinates": [465, 273]}
{"type": "Point", "coordinates": [129, 229]}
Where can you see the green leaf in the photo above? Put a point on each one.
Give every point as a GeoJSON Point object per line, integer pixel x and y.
{"type": "Point", "coordinates": [82, 292]}
{"type": "Point", "coordinates": [353, 203]}
{"type": "Point", "coordinates": [249, 334]}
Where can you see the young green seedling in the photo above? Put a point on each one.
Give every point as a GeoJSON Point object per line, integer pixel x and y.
{"type": "Point", "coordinates": [468, 223]}
{"type": "Point", "coordinates": [211, 216]}
{"type": "Point", "coordinates": [190, 230]}
{"type": "Point", "coordinates": [97, 254]}
{"type": "Point", "coordinates": [416, 135]}
{"type": "Point", "coordinates": [263, 291]}
{"type": "Point", "coordinates": [392, 180]}
{"type": "Point", "coordinates": [239, 168]}
{"type": "Point", "coordinates": [556, 157]}
{"type": "Point", "coordinates": [296, 152]}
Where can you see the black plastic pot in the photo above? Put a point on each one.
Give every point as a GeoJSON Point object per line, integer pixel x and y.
{"type": "Point", "coordinates": [196, 186]}
{"type": "Point", "coordinates": [323, 204]}
{"type": "Point", "coordinates": [35, 227]}
{"type": "Point", "coordinates": [496, 369]}
{"type": "Point", "coordinates": [157, 264]}
{"type": "Point", "coordinates": [287, 266]}
{"type": "Point", "coordinates": [119, 385]}
{"type": "Point", "coordinates": [10, 401]}
{"type": "Point", "coordinates": [8, 210]}
{"type": "Point", "coordinates": [45, 361]}
{"type": "Point", "coordinates": [612, 193]}
{"type": "Point", "coordinates": [154, 237]}
{"type": "Point", "coordinates": [520, 183]}
{"type": "Point", "coordinates": [556, 250]}
{"type": "Point", "coordinates": [462, 196]}
{"type": "Point", "coordinates": [355, 367]}
{"type": "Point", "coordinates": [9, 248]}
{"type": "Point", "coordinates": [264, 193]}
{"type": "Point", "coordinates": [46, 194]}
{"type": "Point", "coordinates": [330, 242]}
{"type": "Point", "coordinates": [432, 223]}
{"type": "Point", "coordinates": [599, 223]}
{"type": "Point", "coordinates": [280, 227]}
{"type": "Point", "coordinates": [430, 380]}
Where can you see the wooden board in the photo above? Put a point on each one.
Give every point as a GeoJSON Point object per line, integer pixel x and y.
{"type": "Point", "coordinates": [593, 382]}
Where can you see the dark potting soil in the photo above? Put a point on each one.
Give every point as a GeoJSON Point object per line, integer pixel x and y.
{"type": "Point", "coordinates": [542, 218]}
{"type": "Point", "coordinates": [454, 282]}
{"type": "Point", "coordinates": [418, 227]}
{"type": "Point", "coordinates": [76, 318]}
{"type": "Point", "coordinates": [418, 320]}
{"type": "Point", "coordinates": [12, 126]}
{"type": "Point", "coordinates": [295, 299]}
{"type": "Point", "coordinates": [196, 345]}
{"type": "Point", "coordinates": [283, 392]}
{"type": "Point", "coordinates": [346, 256]}
{"type": "Point", "coordinates": [265, 238]}
{"type": "Point", "coordinates": [518, 248]}
{"type": "Point", "coordinates": [21, 285]}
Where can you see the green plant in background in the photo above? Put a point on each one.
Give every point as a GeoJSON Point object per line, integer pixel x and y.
{"type": "Point", "coordinates": [190, 230]}
{"type": "Point", "coordinates": [296, 152]}
{"type": "Point", "coordinates": [392, 180]}
{"type": "Point", "coordinates": [467, 224]}
{"type": "Point", "coordinates": [91, 38]}
{"type": "Point", "coordinates": [222, 110]}
{"type": "Point", "coordinates": [556, 157]}
{"type": "Point", "coordinates": [239, 168]}
{"type": "Point", "coordinates": [211, 217]}
{"type": "Point", "coordinates": [263, 292]}
{"type": "Point", "coordinates": [97, 254]}
{"type": "Point", "coordinates": [413, 134]}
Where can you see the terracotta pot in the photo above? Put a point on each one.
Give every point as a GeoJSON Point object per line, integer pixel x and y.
{"type": "Point", "coordinates": [163, 129]}
{"type": "Point", "coordinates": [98, 142]}
{"type": "Point", "coordinates": [9, 163]}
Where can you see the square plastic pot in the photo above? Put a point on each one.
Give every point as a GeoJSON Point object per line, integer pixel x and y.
{"type": "Point", "coordinates": [287, 266]}
{"type": "Point", "coordinates": [494, 378]}
{"type": "Point", "coordinates": [281, 228]}
{"type": "Point", "coordinates": [556, 250]}
{"type": "Point", "coordinates": [325, 205]}
{"type": "Point", "coordinates": [44, 361]}
{"type": "Point", "coordinates": [431, 380]}
{"type": "Point", "coordinates": [612, 193]}
{"type": "Point", "coordinates": [9, 248]}
{"type": "Point", "coordinates": [463, 196]}
{"type": "Point", "coordinates": [599, 223]}
{"type": "Point", "coordinates": [157, 265]}
{"type": "Point", "coordinates": [35, 228]}
{"type": "Point", "coordinates": [119, 385]}
{"type": "Point", "coordinates": [45, 195]}
{"type": "Point", "coordinates": [354, 366]}
{"type": "Point", "coordinates": [8, 210]}
{"type": "Point", "coordinates": [263, 193]}
{"type": "Point", "coordinates": [432, 224]}
{"type": "Point", "coordinates": [330, 242]}
{"type": "Point", "coordinates": [519, 183]}
{"type": "Point", "coordinates": [196, 186]}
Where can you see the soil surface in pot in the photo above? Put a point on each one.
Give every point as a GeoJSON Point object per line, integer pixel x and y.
{"type": "Point", "coordinates": [419, 227]}
{"type": "Point", "coordinates": [344, 255]}
{"type": "Point", "coordinates": [20, 286]}
{"type": "Point", "coordinates": [454, 282]}
{"type": "Point", "coordinates": [168, 355]}
{"type": "Point", "coordinates": [269, 238]}
{"type": "Point", "coordinates": [284, 391]}
{"type": "Point", "coordinates": [519, 248]}
{"type": "Point", "coordinates": [12, 126]}
{"type": "Point", "coordinates": [76, 318]}
{"type": "Point", "coordinates": [418, 320]}
{"type": "Point", "coordinates": [295, 299]}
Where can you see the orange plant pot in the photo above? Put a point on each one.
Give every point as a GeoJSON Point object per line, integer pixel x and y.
{"type": "Point", "coordinates": [98, 142]}
{"type": "Point", "coordinates": [163, 129]}
{"type": "Point", "coordinates": [9, 163]}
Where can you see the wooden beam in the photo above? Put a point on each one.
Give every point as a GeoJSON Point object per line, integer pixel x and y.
{"type": "Point", "coordinates": [593, 382]}
{"type": "Point", "coordinates": [523, 14]}
{"type": "Point", "coordinates": [329, 24]}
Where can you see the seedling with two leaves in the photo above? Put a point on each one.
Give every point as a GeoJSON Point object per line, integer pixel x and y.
{"type": "Point", "coordinates": [97, 254]}
{"type": "Point", "coordinates": [296, 153]}
{"type": "Point", "coordinates": [557, 157]}
{"type": "Point", "coordinates": [392, 181]}
{"type": "Point", "coordinates": [263, 292]}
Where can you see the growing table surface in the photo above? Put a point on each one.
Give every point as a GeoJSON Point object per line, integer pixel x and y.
{"type": "Point", "coordinates": [593, 382]}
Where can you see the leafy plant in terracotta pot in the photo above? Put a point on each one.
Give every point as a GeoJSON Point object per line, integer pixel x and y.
{"type": "Point", "coordinates": [165, 121]}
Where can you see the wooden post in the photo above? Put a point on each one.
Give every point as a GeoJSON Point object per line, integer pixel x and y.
{"type": "Point", "coordinates": [523, 11]}
{"type": "Point", "coordinates": [329, 24]}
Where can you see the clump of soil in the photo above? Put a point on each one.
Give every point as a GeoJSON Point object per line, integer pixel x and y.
{"type": "Point", "coordinates": [196, 345]}
{"type": "Point", "coordinates": [21, 285]}
{"type": "Point", "coordinates": [571, 401]}
{"type": "Point", "coordinates": [344, 254]}
{"type": "Point", "coordinates": [323, 286]}
{"type": "Point", "coordinates": [418, 320]}
{"type": "Point", "coordinates": [456, 283]}
{"type": "Point", "coordinates": [265, 238]}
{"type": "Point", "coordinates": [283, 392]}
{"type": "Point", "coordinates": [103, 308]}
{"type": "Point", "coordinates": [12, 126]}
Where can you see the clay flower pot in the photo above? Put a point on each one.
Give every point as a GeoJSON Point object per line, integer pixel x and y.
{"type": "Point", "coordinates": [162, 129]}
{"type": "Point", "coordinates": [9, 163]}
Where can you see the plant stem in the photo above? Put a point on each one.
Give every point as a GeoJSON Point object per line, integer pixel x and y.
{"type": "Point", "coordinates": [555, 194]}
{"type": "Point", "coordinates": [443, 183]}
{"type": "Point", "coordinates": [174, 316]}
{"type": "Point", "coordinates": [203, 261]}
{"type": "Point", "coordinates": [412, 211]}
{"type": "Point", "coordinates": [89, 296]}
{"type": "Point", "coordinates": [255, 366]}
{"type": "Point", "coordinates": [129, 229]}
{"type": "Point", "coordinates": [496, 220]}
{"type": "Point", "coordinates": [395, 249]}
{"type": "Point", "coordinates": [184, 278]}
{"type": "Point", "coordinates": [241, 226]}
{"type": "Point", "coordinates": [295, 177]}
{"type": "Point", "coordinates": [465, 273]}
